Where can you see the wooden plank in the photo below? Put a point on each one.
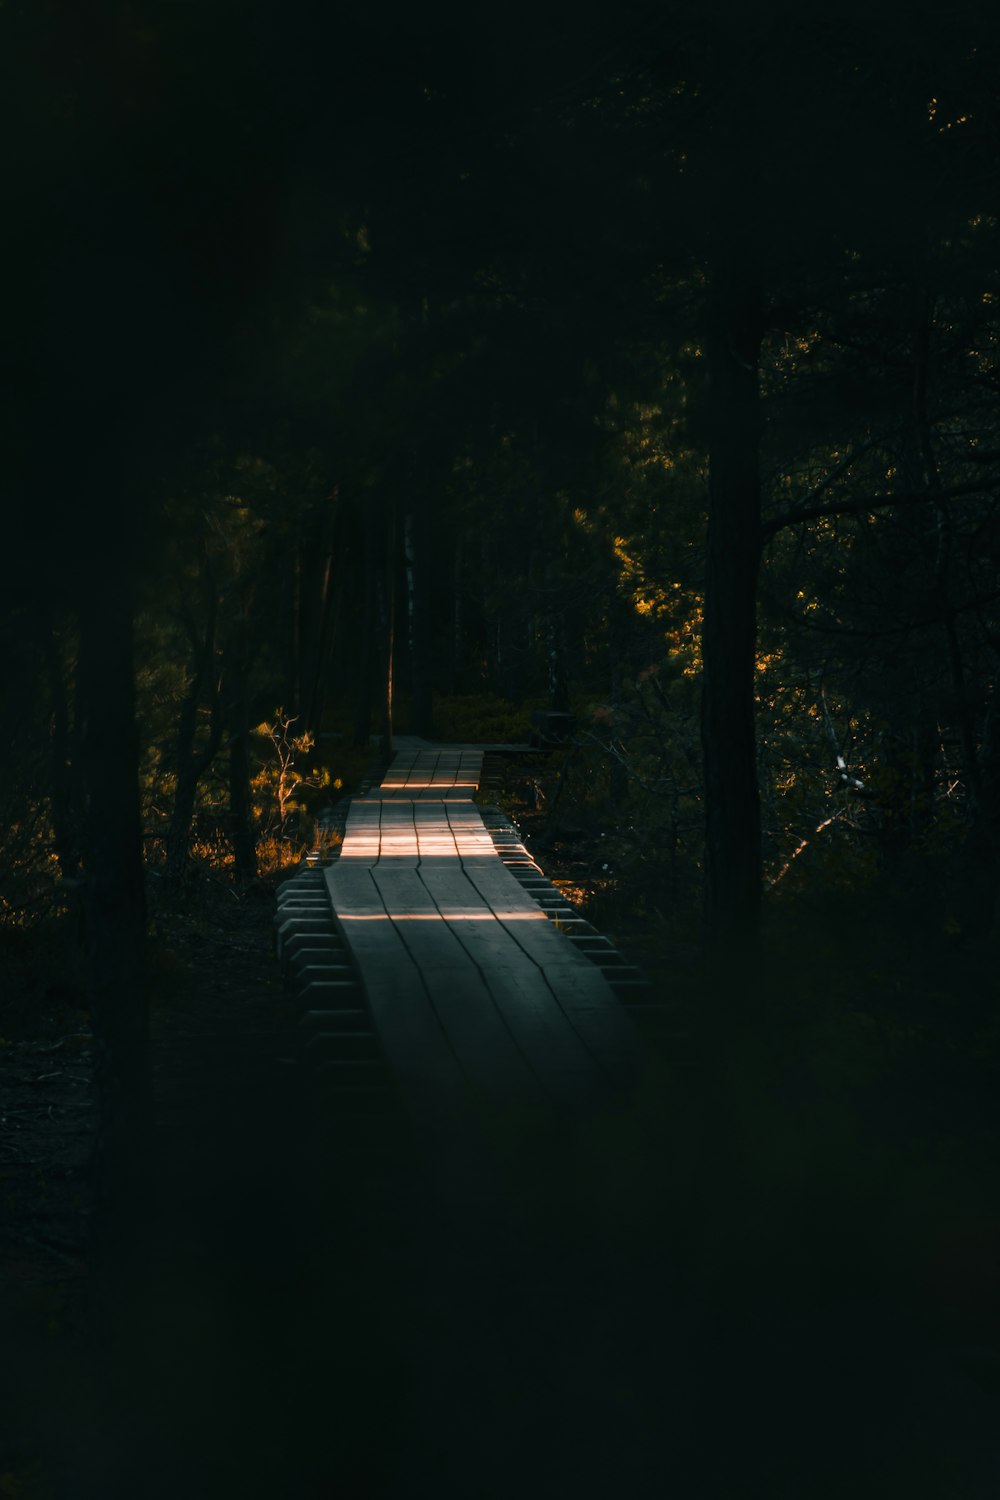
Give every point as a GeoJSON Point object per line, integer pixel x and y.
{"type": "Point", "coordinates": [475, 1028]}
{"type": "Point", "coordinates": [467, 978]}
{"type": "Point", "coordinates": [565, 1068]}
{"type": "Point", "coordinates": [414, 1041]}
{"type": "Point", "coordinates": [430, 771]}
{"type": "Point", "coordinates": [598, 1018]}
{"type": "Point", "coordinates": [398, 839]}
{"type": "Point", "coordinates": [581, 990]}
{"type": "Point", "coordinates": [506, 899]}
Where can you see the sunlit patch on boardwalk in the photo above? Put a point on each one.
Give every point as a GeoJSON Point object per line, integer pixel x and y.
{"type": "Point", "coordinates": [473, 991]}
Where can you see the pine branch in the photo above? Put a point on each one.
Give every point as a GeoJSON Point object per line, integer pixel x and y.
{"type": "Point", "coordinates": [872, 503]}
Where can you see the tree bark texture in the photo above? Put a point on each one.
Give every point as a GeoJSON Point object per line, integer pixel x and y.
{"type": "Point", "coordinates": [362, 648]}
{"type": "Point", "coordinates": [191, 766]}
{"type": "Point", "coordinates": [116, 930]}
{"type": "Point", "coordinates": [331, 585]}
{"type": "Point", "coordinates": [422, 667]}
{"type": "Point", "coordinates": [240, 800]}
{"type": "Point", "coordinates": [297, 631]}
{"type": "Point", "coordinates": [456, 621]}
{"type": "Point", "coordinates": [62, 773]}
{"type": "Point", "coordinates": [385, 595]}
{"type": "Point", "coordinates": [732, 800]}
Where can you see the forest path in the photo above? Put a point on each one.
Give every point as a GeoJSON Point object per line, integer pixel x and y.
{"type": "Point", "coordinates": [479, 1001]}
{"type": "Point", "coordinates": [470, 1090]}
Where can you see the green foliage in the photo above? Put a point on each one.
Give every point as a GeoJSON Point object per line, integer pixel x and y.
{"type": "Point", "coordinates": [282, 773]}
{"type": "Point", "coordinates": [481, 718]}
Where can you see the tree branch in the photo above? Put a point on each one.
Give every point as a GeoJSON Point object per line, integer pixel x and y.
{"type": "Point", "coordinates": [872, 502]}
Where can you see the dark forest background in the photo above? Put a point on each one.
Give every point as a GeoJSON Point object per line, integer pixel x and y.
{"type": "Point", "coordinates": [461, 372]}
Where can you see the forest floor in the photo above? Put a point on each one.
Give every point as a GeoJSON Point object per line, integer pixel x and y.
{"type": "Point", "coordinates": [774, 1275]}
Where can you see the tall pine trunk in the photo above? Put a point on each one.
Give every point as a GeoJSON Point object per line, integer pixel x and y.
{"type": "Point", "coordinates": [191, 766]}
{"type": "Point", "coordinates": [116, 931]}
{"type": "Point", "coordinates": [732, 800]}
{"type": "Point", "coordinates": [240, 799]}
{"type": "Point", "coordinates": [62, 773]}
{"type": "Point", "coordinates": [296, 630]}
{"type": "Point", "coordinates": [331, 586]}
{"type": "Point", "coordinates": [363, 653]}
{"type": "Point", "coordinates": [456, 621]}
{"type": "Point", "coordinates": [385, 595]}
{"type": "Point", "coordinates": [421, 643]}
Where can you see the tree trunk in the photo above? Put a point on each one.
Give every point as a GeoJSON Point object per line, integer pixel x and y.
{"type": "Point", "coordinates": [456, 622]}
{"type": "Point", "coordinates": [179, 832]}
{"type": "Point", "coordinates": [980, 906]}
{"type": "Point", "coordinates": [364, 627]}
{"type": "Point", "coordinates": [241, 805]}
{"type": "Point", "coordinates": [190, 767]}
{"type": "Point", "coordinates": [65, 816]}
{"type": "Point", "coordinates": [330, 587]}
{"type": "Point", "coordinates": [732, 800]}
{"type": "Point", "coordinates": [240, 800]}
{"type": "Point", "coordinates": [618, 788]}
{"type": "Point", "coordinates": [555, 638]}
{"type": "Point", "coordinates": [385, 595]}
{"type": "Point", "coordinates": [296, 632]}
{"type": "Point", "coordinates": [116, 930]}
{"type": "Point", "coordinates": [421, 663]}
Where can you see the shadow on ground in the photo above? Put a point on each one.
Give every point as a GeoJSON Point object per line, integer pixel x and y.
{"type": "Point", "coordinates": [736, 1284]}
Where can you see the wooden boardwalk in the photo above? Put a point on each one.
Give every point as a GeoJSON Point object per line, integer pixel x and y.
{"type": "Point", "coordinates": [478, 1000]}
